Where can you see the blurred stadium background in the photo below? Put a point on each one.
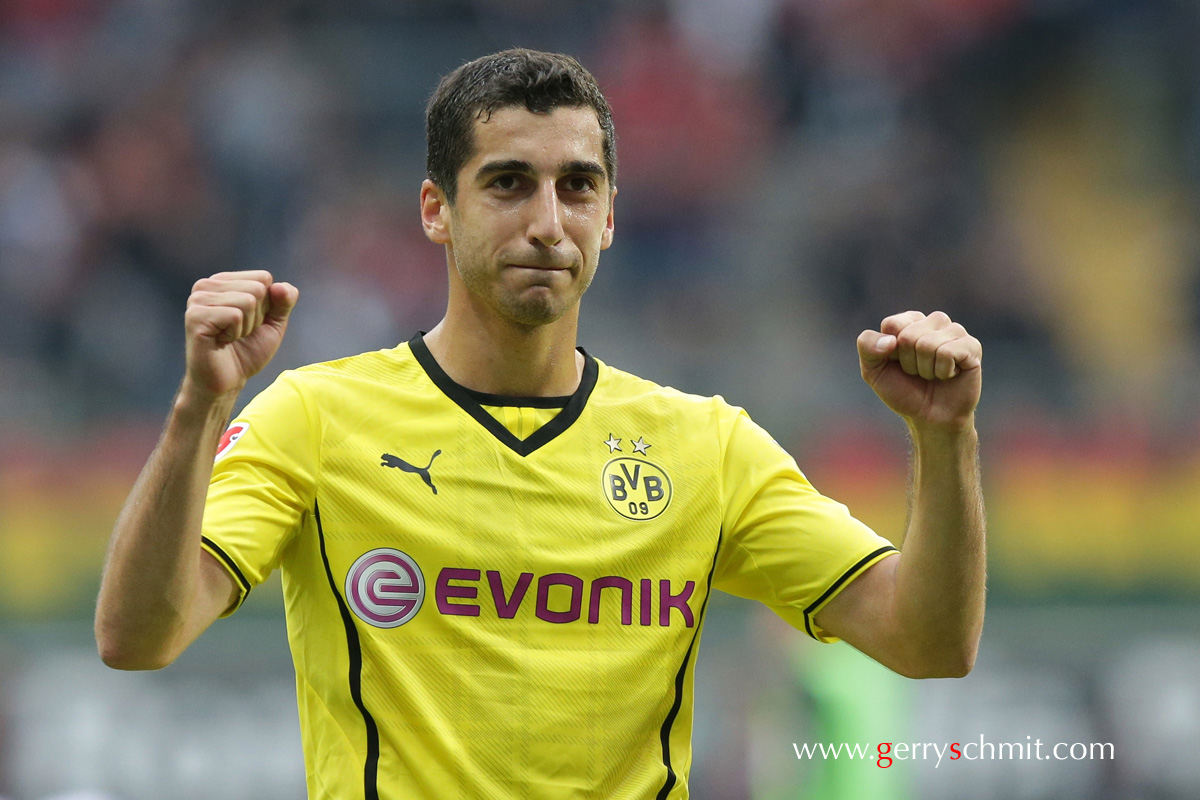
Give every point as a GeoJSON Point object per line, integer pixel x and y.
{"type": "Point", "coordinates": [791, 172]}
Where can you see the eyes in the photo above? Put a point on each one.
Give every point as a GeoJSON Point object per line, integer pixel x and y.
{"type": "Point", "coordinates": [513, 183]}
{"type": "Point", "coordinates": [578, 183]}
{"type": "Point", "coordinates": [506, 183]}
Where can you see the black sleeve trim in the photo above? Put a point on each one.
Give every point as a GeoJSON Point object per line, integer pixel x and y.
{"type": "Point", "coordinates": [230, 564]}
{"type": "Point", "coordinates": [846, 576]}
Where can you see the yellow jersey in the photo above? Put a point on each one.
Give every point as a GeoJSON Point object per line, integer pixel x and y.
{"type": "Point", "coordinates": [475, 613]}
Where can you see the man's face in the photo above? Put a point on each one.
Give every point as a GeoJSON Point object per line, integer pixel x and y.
{"type": "Point", "coordinates": [532, 214]}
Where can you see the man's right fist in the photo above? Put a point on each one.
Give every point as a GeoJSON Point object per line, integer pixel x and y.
{"type": "Point", "coordinates": [234, 324]}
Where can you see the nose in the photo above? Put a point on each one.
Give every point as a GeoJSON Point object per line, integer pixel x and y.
{"type": "Point", "coordinates": [545, 223]}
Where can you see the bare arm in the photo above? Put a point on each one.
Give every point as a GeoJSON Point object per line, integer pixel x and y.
{"type": "Point", "coordinates": [160, 590]}
{"type": "Point", "coordinates": [921, 613]}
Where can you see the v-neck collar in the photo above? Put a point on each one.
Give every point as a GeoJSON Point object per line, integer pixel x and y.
{"type": "Point", "coordinates": [467, 402]}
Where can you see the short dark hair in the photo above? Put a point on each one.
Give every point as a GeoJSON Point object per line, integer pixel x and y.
{"type": "Point", "coordinates": [541, 82]}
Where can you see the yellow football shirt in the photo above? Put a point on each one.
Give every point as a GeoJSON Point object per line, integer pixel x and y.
{"type": "Point", "coordinates": [477, 614]}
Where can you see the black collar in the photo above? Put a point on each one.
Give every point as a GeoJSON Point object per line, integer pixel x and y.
{"type": "Point", "coordinates": [472, 402]}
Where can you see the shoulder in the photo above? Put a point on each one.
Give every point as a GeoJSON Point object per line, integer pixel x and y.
{"type": "Point", "coordinates": [316, 389]}
{"type": "Point", "coordinates": [379, 372]}
{"type": "Point", "coordinates": [395, 364]}
{"type": "Point", "coordinates": [616, 387]}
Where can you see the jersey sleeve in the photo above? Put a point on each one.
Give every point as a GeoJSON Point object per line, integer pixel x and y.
{"type": "Point", "coordinates": [783, 542]}
{"type": "Point", "coordinates": [263, 481]}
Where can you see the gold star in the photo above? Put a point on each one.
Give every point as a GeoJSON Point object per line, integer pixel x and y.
{"type": "Point", "coordinates": [640, 446]}
{"type": "Point", "coordinates": [614, 445]}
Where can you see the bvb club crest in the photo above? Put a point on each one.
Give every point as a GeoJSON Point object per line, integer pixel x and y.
{"type": "Point", "coordinates": [635, 488]}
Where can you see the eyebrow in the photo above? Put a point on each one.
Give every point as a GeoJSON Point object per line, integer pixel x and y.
{"type": "Point", "coordinates": [525, 168]}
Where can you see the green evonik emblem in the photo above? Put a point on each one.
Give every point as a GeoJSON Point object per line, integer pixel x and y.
{"type": "Point", "coordinates": [636, 489]}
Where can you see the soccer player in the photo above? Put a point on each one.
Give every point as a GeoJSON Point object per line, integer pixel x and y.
{"type": "Point", "coordinates": [496, 549]}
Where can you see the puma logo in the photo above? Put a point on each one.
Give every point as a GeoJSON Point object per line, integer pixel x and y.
{"type": "Point", "coordinates": [390, 460]}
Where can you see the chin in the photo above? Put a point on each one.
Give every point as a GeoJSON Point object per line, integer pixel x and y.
{"type": "Point", "coordinates": [535, 314]}
{"type": "Point", "coordinates": [535, 308]}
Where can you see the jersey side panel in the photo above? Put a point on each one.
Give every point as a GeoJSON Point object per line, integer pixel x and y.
{"type": "Point", "coordinates": [333, 729]}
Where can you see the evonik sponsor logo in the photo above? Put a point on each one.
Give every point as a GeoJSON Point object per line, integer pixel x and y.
{"type": "Point", "coordinates": [386, 588]}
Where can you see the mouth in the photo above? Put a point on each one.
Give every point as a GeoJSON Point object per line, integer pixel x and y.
{"type": "Point", "coordinates": [541, 267]}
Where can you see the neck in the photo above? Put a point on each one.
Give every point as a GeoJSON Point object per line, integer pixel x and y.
{"type": "Point", "coordinates": [496, 356]}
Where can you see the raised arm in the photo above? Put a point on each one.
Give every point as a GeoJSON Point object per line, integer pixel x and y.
{"type": "Point", "coordinates": [921, 613]}
{"type": "Point", "coordinates": [160, 590]}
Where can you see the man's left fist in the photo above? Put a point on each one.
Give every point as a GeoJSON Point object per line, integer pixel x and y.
{"type": "Point", "coordinates": [925, 368]}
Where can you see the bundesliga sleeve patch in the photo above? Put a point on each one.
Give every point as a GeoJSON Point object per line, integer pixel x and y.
{"type": "Point", "coordinates": [230, 438]}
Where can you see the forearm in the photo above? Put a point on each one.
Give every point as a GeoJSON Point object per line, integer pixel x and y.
{"type": "Point", "coordinates": [151, 578]}
{"type": "Point", "coordinates": [940, 581]}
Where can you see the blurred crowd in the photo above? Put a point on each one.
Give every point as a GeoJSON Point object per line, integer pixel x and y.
{"type": "Point", "coordinates": [790, 172]}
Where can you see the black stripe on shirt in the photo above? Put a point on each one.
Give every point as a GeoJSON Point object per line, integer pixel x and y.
{"type": "Point", "coordinates": [371, 765]}
{"type": "Point", "coordinates": [669, 722]}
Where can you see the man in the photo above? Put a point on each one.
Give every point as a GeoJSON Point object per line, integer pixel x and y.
{"type": "Point", "coordinates": [497, 550]}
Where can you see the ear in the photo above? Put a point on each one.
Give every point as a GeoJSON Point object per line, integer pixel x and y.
{"type": "Point", "coordinates": [435, 213]}
{"type": "Point", "coordinates": [607, 237]}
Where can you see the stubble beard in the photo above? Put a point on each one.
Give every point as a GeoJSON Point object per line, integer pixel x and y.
{"type": "Point", "coordinates": [525, 306]}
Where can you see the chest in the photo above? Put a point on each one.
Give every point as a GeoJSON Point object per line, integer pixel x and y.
{"type": "Point", "coordinates": [611, 522]}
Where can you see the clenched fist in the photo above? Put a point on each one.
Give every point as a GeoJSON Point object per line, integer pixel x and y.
{"type": "Point", "coordinates": [234, 324]}
{"type": "Point", "coordinates": [925, 368]}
